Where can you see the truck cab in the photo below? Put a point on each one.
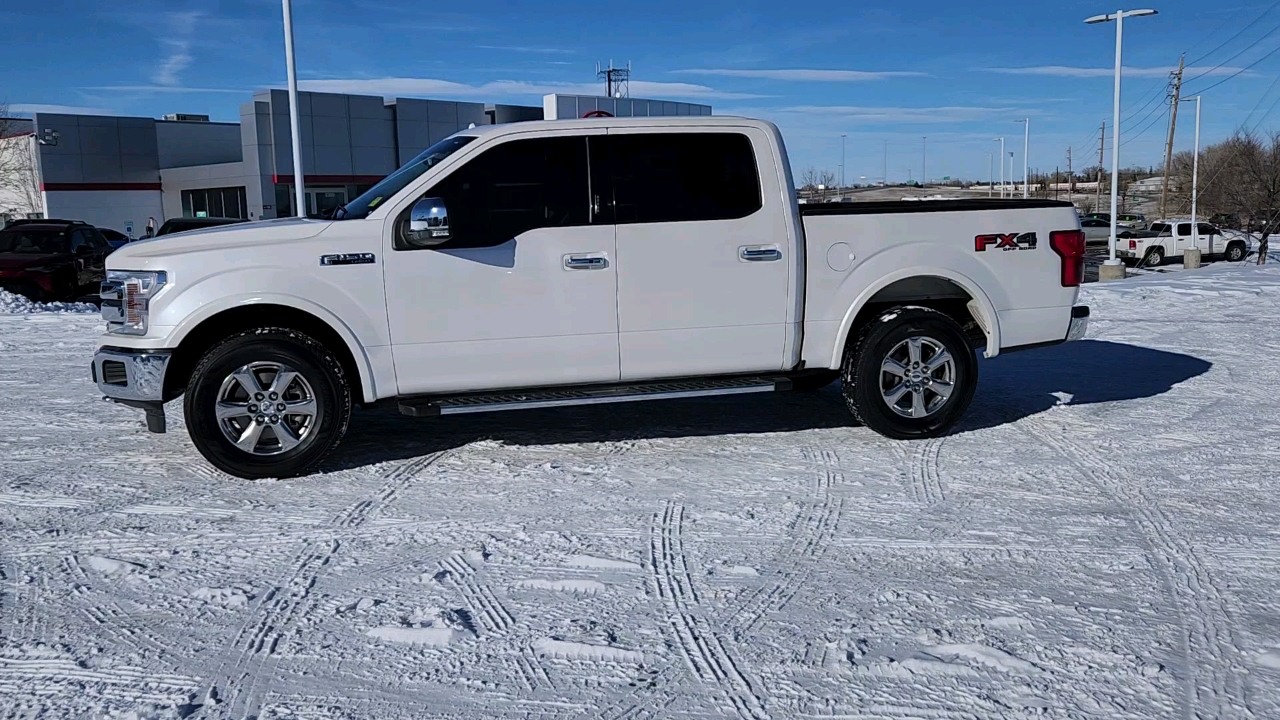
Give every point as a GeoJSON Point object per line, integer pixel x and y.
{"type": "Point", "coordinates": [1170, 238]}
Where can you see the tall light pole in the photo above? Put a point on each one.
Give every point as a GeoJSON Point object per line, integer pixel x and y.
{"type": "Point", "coordinates": [1001, 164]}
{"type": "Point", "coordinates": [299, 198]}
{"type": "Point", "coordinates": [1026, 147]}
{"type": "Point", "coordinates": [1118, 17]}
{"type": "Point", "coordinates": [991, 180]}
{"type": "Point", "coordinates": [841, 160]}
{"type": "Point", "coordinates": [885, 176]}
{"type": "Point", "coordinates": [1195, 178]}
{"type": "Point", "coordinates": [924, 160]}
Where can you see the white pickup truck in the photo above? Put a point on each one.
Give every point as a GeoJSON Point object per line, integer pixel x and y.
{"type": "Point", "coordinates": [1169, 238]}
{"type": "Point", "coordinates": [578, 262]}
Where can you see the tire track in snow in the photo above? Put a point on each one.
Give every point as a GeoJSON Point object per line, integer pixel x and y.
{"type": "Point", "coordinates": [703, 651]}
{"type": "Point", "coordinates": [234, 692]}
{"type": "Point", "coordinates": [493, 616]}
{"type": "Point", "coordinates": [1215, 667]}
{"type": "Point", "coordinates": [814, 530]}
{"type": "Point", "coordinates": [926, 481]}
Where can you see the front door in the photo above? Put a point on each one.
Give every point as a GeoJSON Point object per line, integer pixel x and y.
{"type": "Point", "coordinates": [524, 293]}
{"type": "Point", "coordinates": [703, 262]}
{"type": "Point", "coordinates": [1210, 240]}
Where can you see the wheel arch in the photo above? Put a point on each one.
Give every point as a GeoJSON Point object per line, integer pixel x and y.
{"type": "Point", "coordinates": [199, 334]}
{"type": "Point", "coordinates": [939, 289]}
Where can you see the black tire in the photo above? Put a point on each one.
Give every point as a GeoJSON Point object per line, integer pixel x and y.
{"type": "Point", "coordinates": [811, 382]}
{"type": "Point", "coordinates": [862, 376]}
{"type": "Point", "coordinates": [321, 373]}
{"type": "Point", "coordinates": [1154, 257]}
{"type": "Point", "coordinates": [1235, 252]}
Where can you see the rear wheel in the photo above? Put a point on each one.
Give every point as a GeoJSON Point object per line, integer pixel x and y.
{"type": "Point", "coordinates": [1235, 252]}
{"type": "Point", "coordinates": [270, 402]}
{"type": "Point", "coordinates": [1155, 257]}
{"type": "Point", "coordinates": [910, 374]}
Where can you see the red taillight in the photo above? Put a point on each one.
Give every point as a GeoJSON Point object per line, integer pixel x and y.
{"type": "Point", "coordinates": [1133, 244]}
{"type": "Point", "coordinates": [1069, 244]}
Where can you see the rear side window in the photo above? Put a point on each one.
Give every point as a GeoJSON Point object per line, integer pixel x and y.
{"type": "Point", "coordinates": [516, 187]}
{"type": "Point", "coordinates": [1184, 229]}
{"type": "Point", "coordinates": [1160, 228]}
{"type": "Point", "coordinates": [683, 177]}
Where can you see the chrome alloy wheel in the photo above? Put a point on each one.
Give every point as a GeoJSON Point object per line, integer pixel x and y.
{"type": "Point", "coordinates": [917, 377]}
{"type": "Point", "coordinates": [266, 408]}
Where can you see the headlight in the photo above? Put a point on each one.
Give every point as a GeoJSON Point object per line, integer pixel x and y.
{"type": "Point", "coordinates": [126, 299]}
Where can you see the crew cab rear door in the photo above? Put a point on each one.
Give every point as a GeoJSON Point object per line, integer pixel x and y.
{"type": "Point", "coordinates": [703, 259]}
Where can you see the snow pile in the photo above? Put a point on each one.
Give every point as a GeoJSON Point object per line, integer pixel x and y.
{"type": "Point", "coordinates": [12, 304]}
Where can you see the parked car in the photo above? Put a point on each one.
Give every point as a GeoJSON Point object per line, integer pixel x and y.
{"type": "Point", "coordinates": [48, 260]}
{"type": "Point", "coordinates": [640, 259]}
{"type": "Point", "coordinates": [1104, 217]}
{"type": "Point", "coordinates": [115, 238]}
{"type": "Point", "coordinates": [177, 225]}
{"type": "Point", "coordinates": [1096, 232]}
{"type": "Point", "coordinates": [1169, 238]}
{"type": "Point", "coordinates": [1132, 221]}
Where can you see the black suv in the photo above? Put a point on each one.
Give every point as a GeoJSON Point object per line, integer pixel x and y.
{"type": "Point", "coordinates": [50, 260]}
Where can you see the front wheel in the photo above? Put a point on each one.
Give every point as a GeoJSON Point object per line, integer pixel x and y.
{"type": "Point", "coordinates": [910, 374]}
{"type": "Point", "coordinates": [268, 402]}
{"type": "Point", "coordinates": [1235, 252]}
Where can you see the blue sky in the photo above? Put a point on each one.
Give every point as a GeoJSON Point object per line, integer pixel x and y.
{"type": "Point", "coordinates": [958, 73]}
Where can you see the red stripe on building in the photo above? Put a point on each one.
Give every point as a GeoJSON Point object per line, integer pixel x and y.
{"type": "Point", "coordinates": [71, 187]}
{"type": "Point", "coordinates": [330, 179]}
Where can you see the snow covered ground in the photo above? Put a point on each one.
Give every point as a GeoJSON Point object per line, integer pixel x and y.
{"type": "Point", "coordinates": [1100, 539]}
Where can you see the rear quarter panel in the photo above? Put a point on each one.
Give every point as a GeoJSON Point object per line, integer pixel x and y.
{"type": "Point", "coordinates": [1018, 292]}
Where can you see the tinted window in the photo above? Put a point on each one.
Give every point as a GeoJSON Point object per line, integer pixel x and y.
{"type": "Point", "coordinates": [396, 181]}
{"type": "Point", "coordinates": [1207, 229]}
{"type": "Point", "coordinates": [33, 241]}
{"type": "Point", "coordinates": [1160, 228]}
{"type": "Point", "coordinates": [514, 188]}
{"type": "Point", "coordinates": [681, 177]}
{"type": "Point", "coordinates": [79, 238]}
{"type": "Point", "coordinates": [1184, 229]}
{"type": "Point", "coordinates": [96, 240]}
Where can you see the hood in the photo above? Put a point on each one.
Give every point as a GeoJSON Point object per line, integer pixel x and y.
{"type": "Point", "coordinates": [145, 254]}
{"type": "Point", "coordinates": [22, 261]}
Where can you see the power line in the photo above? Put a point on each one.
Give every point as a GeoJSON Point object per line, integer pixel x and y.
{"type": "Point", "coordinates": [1252, 45]}
{"type": "Point", "coordinates": [1233, 37]}
{"type": "Point", "coordinates": [1140, 133]}
{"type": "Point", "coordinates": [1234, 74]}
{"type": "Point", "coordinates": [1262, 99]}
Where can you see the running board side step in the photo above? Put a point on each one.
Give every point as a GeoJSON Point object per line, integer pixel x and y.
{"type": "Point", "coordinates": [431, 405]}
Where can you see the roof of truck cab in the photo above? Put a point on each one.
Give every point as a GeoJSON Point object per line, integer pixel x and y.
{"type": "Point", "coordinates": [609, 123]}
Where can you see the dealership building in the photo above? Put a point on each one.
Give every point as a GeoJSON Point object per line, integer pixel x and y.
{"type": "Point", "coordinates": [119, 172]}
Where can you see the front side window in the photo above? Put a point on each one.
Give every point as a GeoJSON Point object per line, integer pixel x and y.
{"type": "Point", "coordinates": [34, 242]}
{"type": "Point", "coordinates": [516, 187]}
{"type": "Point", "coordinates": [1207, 229]}
{"type": "Point", "coordinates": [683, 177]}
{"type": "Point", "coordinates": [386, 188]}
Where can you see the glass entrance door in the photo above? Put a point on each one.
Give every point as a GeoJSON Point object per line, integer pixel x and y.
{"type": "Point", "coordinates": [321, 202]}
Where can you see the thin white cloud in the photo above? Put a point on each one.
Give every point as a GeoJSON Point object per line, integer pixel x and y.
{"type": "Point", "coordinates": [805, 74]}
{"type": "Point", "coordinates": [180, 27]}
{"type": "Point", "coordinates": [163, 89]}
{"type": "Point", "coordinates": [1090, 72]}
{"type": "Point", "coordinates": [32, 108]}
{"type": "Point", "coordinates": [852, 114]}
{"type": "Point", "coordinates": [393, 86]}
{"type": "Point", "coordinates": [526, 49]}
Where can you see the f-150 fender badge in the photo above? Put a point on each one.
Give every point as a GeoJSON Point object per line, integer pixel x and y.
{"type": "Point", "coordinates": [347, 259]}
{"type": "Point", "coordinates": [1005, 241]}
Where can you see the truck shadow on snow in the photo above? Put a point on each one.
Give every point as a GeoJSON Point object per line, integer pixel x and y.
{"type": "Point", "coordinates": [1011, 387]}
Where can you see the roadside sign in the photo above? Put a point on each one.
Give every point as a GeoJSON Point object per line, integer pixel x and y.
{"type": "Point", "coordinates": [128, 228]}
{"type": "Point", "coordinates": [201, 213]}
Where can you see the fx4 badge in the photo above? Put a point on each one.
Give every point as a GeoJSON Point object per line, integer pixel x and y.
{"type": "Point", "coordinates": [1005, 241]}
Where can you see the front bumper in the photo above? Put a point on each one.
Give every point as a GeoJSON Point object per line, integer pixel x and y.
{"type": "Point", "coordinates": [1079, 323]}
{"type": "Point", "coordinates": [134, 378]}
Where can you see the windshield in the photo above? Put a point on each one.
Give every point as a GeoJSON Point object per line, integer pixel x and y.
{"type": "Point", "coordinates": [33, 242]}
{"type": "Point", "coordinates": [396, 181]}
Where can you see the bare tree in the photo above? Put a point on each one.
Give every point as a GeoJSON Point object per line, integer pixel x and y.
{"type": "Point", "coordinates": [1239, 176]}
{"type": "Point", "coordinates": [19, 177]}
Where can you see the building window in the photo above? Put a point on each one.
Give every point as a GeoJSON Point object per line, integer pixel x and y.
{"type": "Point", "coordinates": [226, 202]}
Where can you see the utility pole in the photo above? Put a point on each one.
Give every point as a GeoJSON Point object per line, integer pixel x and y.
{"type": "Point", "coordinates": [1071, 176]}
{"type": "Point", "coordinates": [842, 160]}
{"type": "Point", "coordinates": [1173, 124]}
{"type": "Point", "coordinates": [886, 163]}
{"type": "Point", "coordinates": [1001, 165]}
{"type": "Point", "coordinates": [991, 180]}
{"type": "Point", "coordinates": [924, 160]}
{"type": "Point", "coordinates": [1102, 144]}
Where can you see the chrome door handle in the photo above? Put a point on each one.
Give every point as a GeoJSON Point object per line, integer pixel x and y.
{"type": "Point", "coordinates": [585, 262]}
{"type": "Point", "coordinates": [759, 253]}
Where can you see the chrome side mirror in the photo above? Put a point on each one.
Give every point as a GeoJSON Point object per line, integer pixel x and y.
{"type": "Point", "coordinates": [428, 223]}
